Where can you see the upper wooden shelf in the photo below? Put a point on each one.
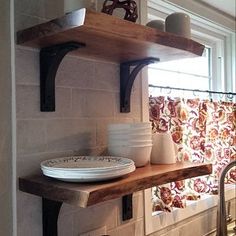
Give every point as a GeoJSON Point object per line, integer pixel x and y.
{"type": "Point", "coordinates": [109, 38]}
{"type": "Point", "coordinates": [87, 194]}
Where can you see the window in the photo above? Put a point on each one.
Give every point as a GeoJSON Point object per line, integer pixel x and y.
{"type": "Point", "coordinates": [220, 53]}
{"type": "Point", "coordinates": [214, 71]}
{"type": "Point", "coordinates": [190, 73]}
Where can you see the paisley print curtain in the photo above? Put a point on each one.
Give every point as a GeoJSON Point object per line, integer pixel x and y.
{"type": "Point", "coordinates": [205, 132]}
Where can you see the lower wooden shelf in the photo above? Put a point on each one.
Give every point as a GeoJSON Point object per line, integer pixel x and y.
{"type": "Point", "coordinates": [87, 194]}
{"type": "Point", "coordinates": [54, 192]}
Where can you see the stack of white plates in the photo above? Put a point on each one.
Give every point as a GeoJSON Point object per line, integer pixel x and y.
{"type": "Point", "coordinates": [87, 168]}
{"type": "Point", "coordinates": [133, 141]}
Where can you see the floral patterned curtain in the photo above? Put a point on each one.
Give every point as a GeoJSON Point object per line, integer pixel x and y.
{"type": "Point", "coordinates": [205, 132]}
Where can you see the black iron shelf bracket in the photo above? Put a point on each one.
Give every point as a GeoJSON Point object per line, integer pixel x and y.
{"type": "Point", "coordinates": [51, 210]}
{"type": "Point", "coordinates": [50, 59]}
{"type": "Point", "coordinates": [128, 73]}
{"type": "Point", "coordinates": [127, 207]}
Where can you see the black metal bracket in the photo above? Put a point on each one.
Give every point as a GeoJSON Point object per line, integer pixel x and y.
{"type": "Point", "coordinates": [50, 59]}
{"type": "Point", "coordinates": [51, 211]}
{"type": "Point", "coordinates": [127, 207]}
{"type": "Point", "coordinates": [127, 77]}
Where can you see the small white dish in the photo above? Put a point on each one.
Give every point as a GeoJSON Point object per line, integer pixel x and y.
{"type": "Point", "coordinates": [140, 154]}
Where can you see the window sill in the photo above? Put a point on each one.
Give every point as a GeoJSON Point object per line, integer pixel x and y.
{"type": "Point", "coordinates": [155, 221]}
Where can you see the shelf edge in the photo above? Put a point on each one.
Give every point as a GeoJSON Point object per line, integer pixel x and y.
{"type": "Point", "coordinates": [145, 183]}
{"type": "Point", "coordinates": [84, 195]}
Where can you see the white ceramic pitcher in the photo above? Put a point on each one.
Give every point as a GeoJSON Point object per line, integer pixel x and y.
{"type": "Point", "coordinates": [164, 149]}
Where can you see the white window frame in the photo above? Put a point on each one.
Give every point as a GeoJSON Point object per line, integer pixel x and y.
{"type": "Point", "coordinates": [222, 41]}
{"type": "Point", "coordinates": [219, 38]}
{"type": "Point", "coordinates": [160, 221]}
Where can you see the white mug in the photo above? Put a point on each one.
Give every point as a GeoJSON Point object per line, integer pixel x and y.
{"type": "Point", "coordinates": [178, 23]}
{"type": "Point", "coordinates": [157, 24]}
{"type": "Point", "coordinates": [164, 150]}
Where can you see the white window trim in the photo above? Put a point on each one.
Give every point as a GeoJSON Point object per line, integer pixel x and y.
{"type": "Point", "coordinates": [160, 221]}
{"type": "Point", "coordinates": [218, 37]}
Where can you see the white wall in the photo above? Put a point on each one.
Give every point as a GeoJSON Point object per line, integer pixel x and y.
{"type": "Point", "coordinates": [6, 214]}
{"type": "Point", "coordinates": [87, 100]}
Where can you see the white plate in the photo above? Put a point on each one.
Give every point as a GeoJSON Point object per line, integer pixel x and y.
{"type": "Point", "coordinates": [88, 176]}
{"type": "Point", "coordinates": [87, 168]}
{"type": "Point", "coordinates": [83, 179]}
{"type": "Point", "coordinates": [87, 163]}
{"type": "Point", "coordinates": [93, 173]}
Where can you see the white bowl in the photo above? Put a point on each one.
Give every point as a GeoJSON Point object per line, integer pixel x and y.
{"type": "Point", "coordinates": [139, 142]}
{"type": "Point", "coordinates": [140, 154]}
{"type": "Point", "coordinates": [140, 136]}
{"type": "Point", "coordinates": [129, 142]}
{"type": "Point", "coordinates": [121, 151]}
{"type": "Point", "coordinates": [130, 137]}
{"type": "Point", "coordinates": [117, 127]}
{"type": "Point", "coordinates": [129, 126]}
{"type": "Point", "coordinates": [130, 133]}
{"type": "Point", "coordinates": [115, 131]}
{"type": "Point", "coordinates": [118, 136]}
{"type": "Point", "coordinates": [140, 131]}
{"type": "Point", "coordinates": [117, 143]}
{"type": "Point", "coordinates": [140, 124]}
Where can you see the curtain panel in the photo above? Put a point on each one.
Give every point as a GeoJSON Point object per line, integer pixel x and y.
{"type": "Point", "coordinates": [204, 132]}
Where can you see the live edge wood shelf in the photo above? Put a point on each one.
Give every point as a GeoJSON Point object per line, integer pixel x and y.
{"type": "Point", "coordinates": [87, 194]}
{"type": "Point", "coordinates": [100, 36]}
{"type": "Point", "coordinates": [55, 192]}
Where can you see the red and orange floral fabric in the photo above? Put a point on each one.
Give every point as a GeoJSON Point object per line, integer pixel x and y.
{"type": "Point", "coordinates": [204, 131]}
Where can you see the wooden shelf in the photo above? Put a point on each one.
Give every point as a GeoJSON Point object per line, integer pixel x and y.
{"type": "Point", "coordinates": [104, 37]}
{"type": "Point", "coordinates": [109, 38]}
{"type": "Point", "coordinates": [87, 194]}
{"type": "Point", "coordinates": [54, 193]}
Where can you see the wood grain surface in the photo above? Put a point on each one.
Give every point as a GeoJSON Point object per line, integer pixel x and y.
{"type": "Point", "coordinates": [109, 38]}
{"type": "Point", "coordinates": [87, 194]}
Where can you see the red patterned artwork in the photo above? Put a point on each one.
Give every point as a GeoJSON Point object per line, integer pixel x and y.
{"type": "Point", "coordinates": [204, 131]}
{"type": "Point", "coordinates": [129, 6]}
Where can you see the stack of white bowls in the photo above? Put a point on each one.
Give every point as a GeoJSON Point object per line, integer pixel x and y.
{"type": "Point", "coordinates": [133, 141]}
